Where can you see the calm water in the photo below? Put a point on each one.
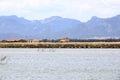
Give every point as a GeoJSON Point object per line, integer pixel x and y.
{"type": "Point", "coordinates": [60, 64]}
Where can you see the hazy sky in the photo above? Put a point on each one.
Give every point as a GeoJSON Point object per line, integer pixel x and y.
{"type": "Point", "coordinates": [82, 10]}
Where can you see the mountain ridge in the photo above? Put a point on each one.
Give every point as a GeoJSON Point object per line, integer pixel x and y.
{"type": "Point", "coordinates": [13, 27]}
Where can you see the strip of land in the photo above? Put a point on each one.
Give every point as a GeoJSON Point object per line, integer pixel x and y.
{"type": "Point", "coordinates": [60, 45]}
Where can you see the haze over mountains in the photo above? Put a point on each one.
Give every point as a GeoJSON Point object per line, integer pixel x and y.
{"type": "Point", "coordinates": [13, 27]}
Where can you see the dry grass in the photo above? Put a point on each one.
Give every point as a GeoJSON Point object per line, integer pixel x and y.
{"type": "Point", "coordinates": [60, 45]}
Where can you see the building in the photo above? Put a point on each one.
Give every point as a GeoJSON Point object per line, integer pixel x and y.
{"type": "Point", "coordinates": [64, 39]}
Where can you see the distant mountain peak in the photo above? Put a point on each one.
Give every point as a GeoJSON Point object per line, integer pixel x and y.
{"type": "Point", "coordinates": [94, 18]}
{"type": "Point", "coordinates": [50, 19]}
{"type": "Point", "coordinates": [18, 27]}
{"type": "Point", "coordinates": [117, 16]}
{"type": "Point", "coordinates": [12, 16]}
{"type": "Point", "coordinates": [55, 17]}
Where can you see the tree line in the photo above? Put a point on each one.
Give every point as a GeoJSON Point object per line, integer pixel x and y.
{"type": "Point", "coordinates": [70, 40]}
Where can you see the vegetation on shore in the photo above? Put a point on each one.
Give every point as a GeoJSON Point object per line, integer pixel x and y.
{"type": "Point", "coordinates": [60, 45]}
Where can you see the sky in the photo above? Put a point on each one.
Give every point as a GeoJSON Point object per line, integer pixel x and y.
{"type": "Point", "coordinates": [81, 10]}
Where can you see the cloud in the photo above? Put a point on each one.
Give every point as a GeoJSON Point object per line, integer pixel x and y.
{"type": "Point", "coordinates": [77, 9]}
{"type": "Point", "coordinates": [22, 3]}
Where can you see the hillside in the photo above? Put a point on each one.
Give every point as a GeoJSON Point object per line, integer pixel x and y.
{"type": "Point", "coordinates": [13, 27]}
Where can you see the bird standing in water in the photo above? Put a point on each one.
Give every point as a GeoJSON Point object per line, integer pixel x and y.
{"type": "Point", "coordinates": [3, 59]}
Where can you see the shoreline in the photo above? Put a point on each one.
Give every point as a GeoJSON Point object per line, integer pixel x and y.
{"type": "Point", "coordinates": [60, 45]}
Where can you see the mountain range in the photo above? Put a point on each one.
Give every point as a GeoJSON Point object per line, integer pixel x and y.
{"type": "Point", "coordinates": [55, 27]}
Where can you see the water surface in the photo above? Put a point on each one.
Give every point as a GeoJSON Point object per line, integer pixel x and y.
{"type": "Point", "coordinates": [60, 64]}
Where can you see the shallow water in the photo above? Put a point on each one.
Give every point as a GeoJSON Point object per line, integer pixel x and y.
{"type": "Point", "coordinates": [60, 64]}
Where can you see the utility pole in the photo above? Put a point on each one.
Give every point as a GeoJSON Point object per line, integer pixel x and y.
{"type": "Point", "coordinates": [49, 32]}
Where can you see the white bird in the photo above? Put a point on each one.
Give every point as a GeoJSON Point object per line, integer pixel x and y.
{"type": "Point", "coordinates": [3, 59]}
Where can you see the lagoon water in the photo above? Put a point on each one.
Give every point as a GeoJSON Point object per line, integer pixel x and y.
{"type": "Point", "coordinates": [60, 64]}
